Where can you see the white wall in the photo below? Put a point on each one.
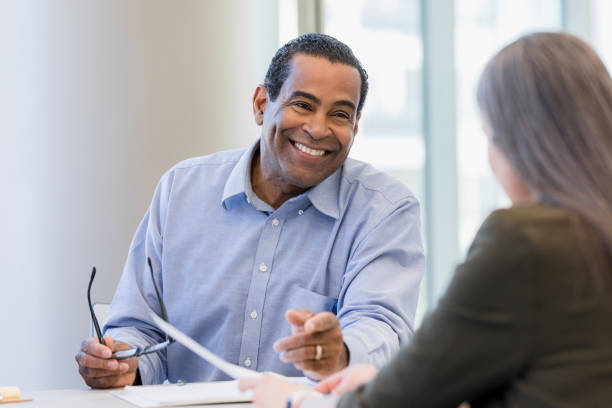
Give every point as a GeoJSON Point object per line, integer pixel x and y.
{"type": "Point", "coordinates": [97, 99]}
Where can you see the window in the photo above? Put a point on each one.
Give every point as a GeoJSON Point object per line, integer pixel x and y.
{"type": "Point", "coordinates": [482, 28]}
{"type": "Point", "coordinates": [380, 32]}
{"type": "Point", "coordinates": [602, 30]}
{"type": "Point", "coordinates": [387, 36]}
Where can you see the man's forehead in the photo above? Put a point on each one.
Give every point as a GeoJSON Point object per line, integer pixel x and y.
{"type": "Point", "coordinates": [304, 64]}
{"type": "Point", "coordinates": [313, 71]}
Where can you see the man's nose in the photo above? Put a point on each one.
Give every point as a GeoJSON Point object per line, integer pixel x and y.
{"type": "Point", "coordinates": [317, 126]}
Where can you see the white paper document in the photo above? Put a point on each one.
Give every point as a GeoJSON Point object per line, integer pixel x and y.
{"type": "Point", "coordinates": [219, 392]}
{"type": "Point", "coordinates": [168, 395]}
{"type": "Point", "coordinates": [230, 369]}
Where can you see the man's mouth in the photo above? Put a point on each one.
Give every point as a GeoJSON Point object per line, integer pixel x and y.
{"type": "Point", "coordinates": [308, 150]}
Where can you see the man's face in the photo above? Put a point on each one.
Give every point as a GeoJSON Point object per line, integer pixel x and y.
{"type": "Point", "coordinates": [308, 130]}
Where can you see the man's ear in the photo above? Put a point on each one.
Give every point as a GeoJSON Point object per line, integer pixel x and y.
{"type": "Point", "coordinates": [260, 101]}
{"type": "Point", "coordinates": [356, 125]}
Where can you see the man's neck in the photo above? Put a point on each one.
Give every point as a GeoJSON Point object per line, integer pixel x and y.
{"type": "Point", "coordinates": [269, 188]}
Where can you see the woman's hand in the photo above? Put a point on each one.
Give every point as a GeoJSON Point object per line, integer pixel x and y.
{"type": "Point", "coordinates": [347, 379]}
{"type": "Point", "coordinates": [270, 391]}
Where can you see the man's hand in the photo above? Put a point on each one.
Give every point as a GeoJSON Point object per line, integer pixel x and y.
{"type": "Point", "coordinates": [315, 345]}
{"type": "Point", "coordinates": [99, 370]}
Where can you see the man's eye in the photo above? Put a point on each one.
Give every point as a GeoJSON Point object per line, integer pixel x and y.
{"type": "Point", "coordinates": [342, 115]}
{"type": "Point", "coordinates": [302, 105]}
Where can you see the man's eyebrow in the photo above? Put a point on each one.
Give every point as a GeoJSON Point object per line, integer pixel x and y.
{"type": "Point", "coordinates": [316, 100]}
{"type": "Point", "coordinates": [345, 103]}
{"type": "Point", "coordinates": [297, 94]}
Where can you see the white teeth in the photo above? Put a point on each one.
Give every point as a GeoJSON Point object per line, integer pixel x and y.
{"type": "Point", "coordinates": [308, 150]}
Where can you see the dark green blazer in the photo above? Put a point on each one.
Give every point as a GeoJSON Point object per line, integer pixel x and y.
{"type": "Point", "coordinates": [524, 323]}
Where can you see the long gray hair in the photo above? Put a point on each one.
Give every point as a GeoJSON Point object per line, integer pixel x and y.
{"type": "Point", "coordinates": [548, 99]}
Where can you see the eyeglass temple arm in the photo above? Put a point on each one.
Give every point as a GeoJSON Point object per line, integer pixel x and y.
{"type": "Point", "coordinates": [94, 319]}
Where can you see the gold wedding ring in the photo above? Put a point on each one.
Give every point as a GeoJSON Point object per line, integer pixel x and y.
{"type": "Point", "coordinates": [318, 352]}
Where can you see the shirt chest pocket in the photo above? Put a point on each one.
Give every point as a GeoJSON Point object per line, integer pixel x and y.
{"type": "Point", "coordinates": [300, 298]}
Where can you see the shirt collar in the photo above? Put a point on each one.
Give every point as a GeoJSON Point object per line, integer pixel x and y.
{"type": "Point", "coordinates": [324, 196]}
{"type": "Point", "coordinates": [239, 180]}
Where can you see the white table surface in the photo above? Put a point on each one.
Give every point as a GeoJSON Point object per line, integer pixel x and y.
{"type": "Point", "coordinates": [86, 399]}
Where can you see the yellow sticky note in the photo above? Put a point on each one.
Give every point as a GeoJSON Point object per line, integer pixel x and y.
{"type": "Point", "coordinates": [9, 394]}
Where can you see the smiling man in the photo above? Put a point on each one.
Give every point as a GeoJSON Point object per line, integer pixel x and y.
{"type": "Point", "coordinates": [287, 256]}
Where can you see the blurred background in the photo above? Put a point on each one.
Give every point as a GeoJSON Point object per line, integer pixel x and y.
{"type": "Point", "coordinates": [99, 97]}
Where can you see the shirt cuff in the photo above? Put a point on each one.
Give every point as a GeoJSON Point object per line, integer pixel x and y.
{"type": "Point", "coordinates": [374, 346]}
{"type": "Point", "coordinates": [147, 373]}
{"type": "Point", "coordinates": [134, 338]}
{"type": "Point", "coordinates": [358, 350]}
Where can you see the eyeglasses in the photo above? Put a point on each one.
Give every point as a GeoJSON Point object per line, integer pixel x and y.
{"type": "Point", "coordinates": [135, 351]}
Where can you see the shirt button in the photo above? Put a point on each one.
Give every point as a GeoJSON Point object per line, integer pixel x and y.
{"type": "Point", "coordinates": [300, 212]}
{"type": "Point", "coordinates": [275, 222]}
{"type": "Point", "coordinates": [247, 362]}
{"type": "Point", "coordinates": [248, 200]}
{"type": "Point", "coordinates": [254, 314]}
{"type": "Point", "coordinates": [263, 267]}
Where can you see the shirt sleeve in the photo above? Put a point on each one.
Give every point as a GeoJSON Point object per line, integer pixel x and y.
{"type": "Point", "coordinates": [129, 320]}
{"type": "Point", "coordinates": [378, 300]}
{"type": "Point", "coordinates": [475, 341]}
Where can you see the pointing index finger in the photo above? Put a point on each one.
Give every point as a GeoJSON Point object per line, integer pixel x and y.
{"type": "Point", "coordinates": [291, 342]}
{"type": "Point", "coordinates": [298, 317]}
{"type": "Point", "coordinates": [321, 322]}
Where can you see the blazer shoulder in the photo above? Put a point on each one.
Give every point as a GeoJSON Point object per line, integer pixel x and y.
{"type": "Point", "coordinates": [529, 221]}
{"type": "Point", "coordinates": [532, 233]}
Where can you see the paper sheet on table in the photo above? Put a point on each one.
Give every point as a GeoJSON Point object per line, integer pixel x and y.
{"type": "Point", "coordinates": [230, 369]}
{"type": "Point", "coordinates": [201, 393]}
{"type": "Point", "coordinates": [167, 395]}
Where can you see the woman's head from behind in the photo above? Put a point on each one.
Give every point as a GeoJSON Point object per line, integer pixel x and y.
{"type": "Point", "coordinates": [546, 100]}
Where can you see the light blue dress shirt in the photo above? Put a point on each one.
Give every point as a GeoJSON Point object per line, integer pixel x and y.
{"type": "Point", "coordinates": [229, 266]}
